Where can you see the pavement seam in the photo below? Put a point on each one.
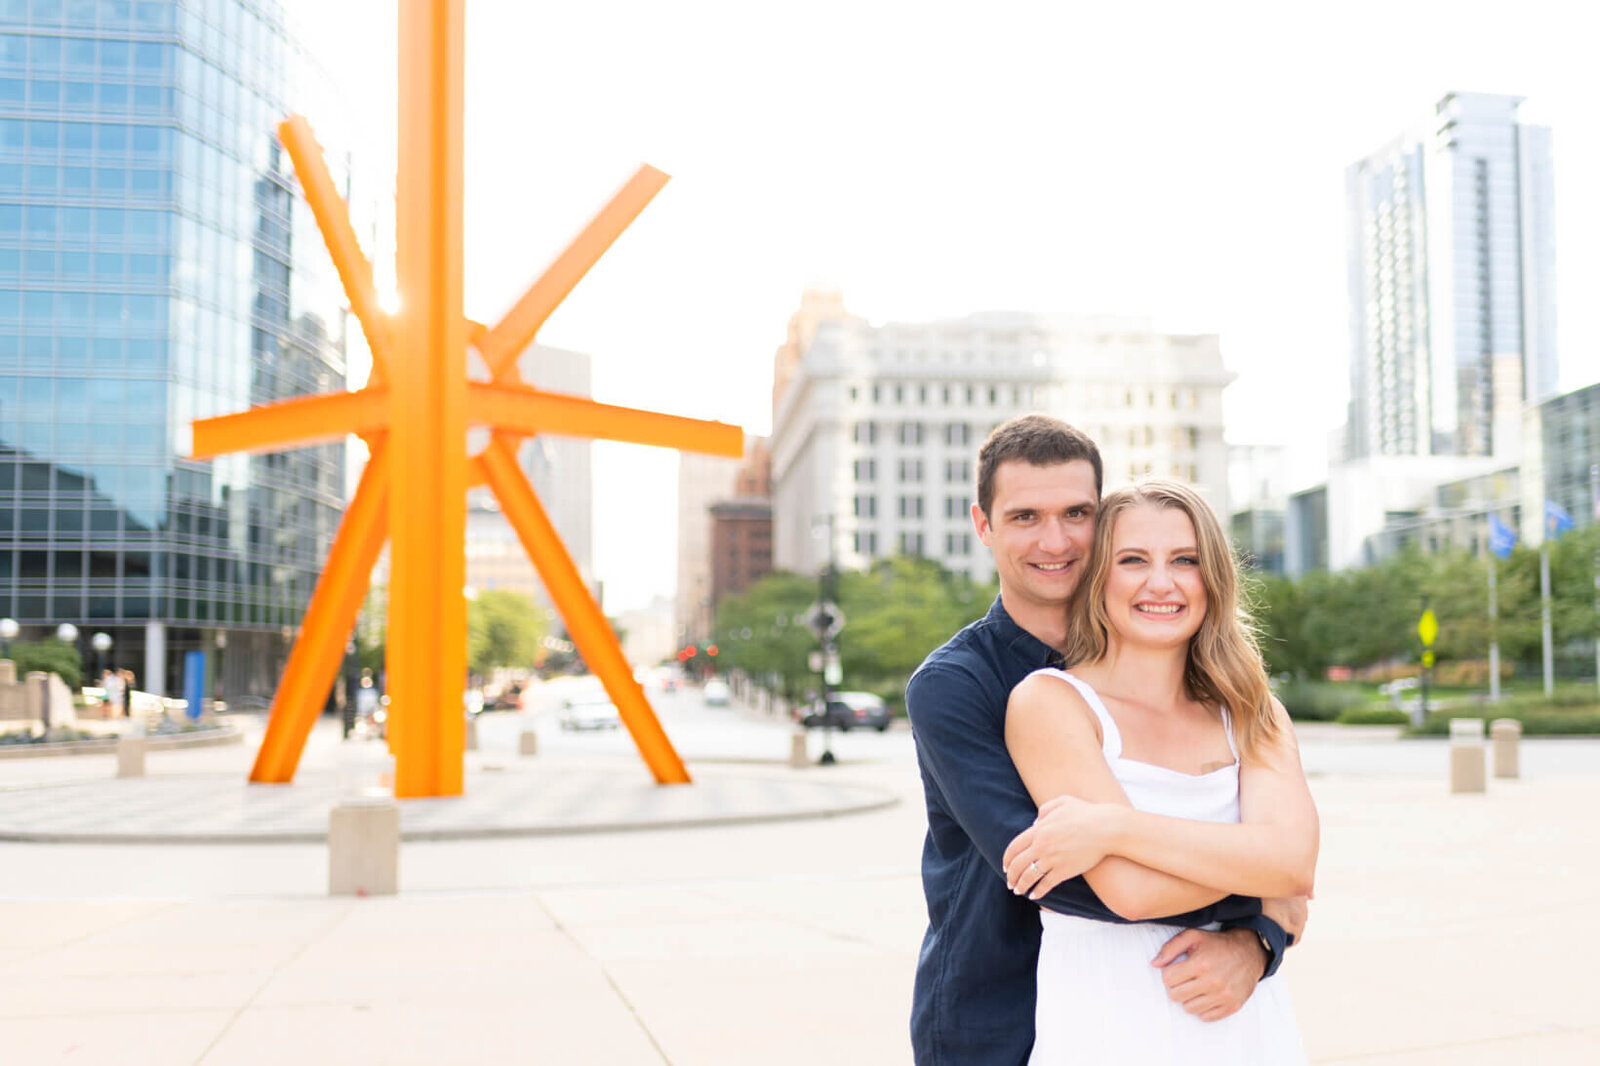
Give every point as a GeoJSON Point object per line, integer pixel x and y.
{"type": "Point", "coordinates": [638, 1019]}
{"type": "Point", "coordinates": [277, 970]}
{"type": "Point", "coordinates": [29, 956]}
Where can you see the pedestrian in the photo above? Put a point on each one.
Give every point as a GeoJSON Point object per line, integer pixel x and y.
{"type": "Point", "coordinates": [1039, 483]}
{"type": "Point", "coordinates": [111, 684]}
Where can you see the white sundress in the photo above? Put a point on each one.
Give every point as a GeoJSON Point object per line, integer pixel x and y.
{"type": "Point", "coordinates": [1100, 1001]}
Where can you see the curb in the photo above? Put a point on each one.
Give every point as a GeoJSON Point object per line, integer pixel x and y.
{"type": "Point", "coordinates": [205, 738]}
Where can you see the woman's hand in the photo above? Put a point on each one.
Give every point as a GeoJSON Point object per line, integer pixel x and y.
{"type": "Point", "coordinates": [1069, 837]}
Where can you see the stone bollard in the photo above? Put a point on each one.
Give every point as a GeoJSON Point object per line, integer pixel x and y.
{"type": "Point", "coordinates": [364, 848]}
{"type": "Point", "coordinates": [1466, 755]}
{"type": "Point", "coordinates": [1505, 733]}
{"type": "Point", "coordinates": [799, 757]}
{"type": "Point", "coordinates": [130, 756]}
{"type": "Point", "coordinates": [472, 733]}
{"type": "Point", "coordinates": [529, 744]}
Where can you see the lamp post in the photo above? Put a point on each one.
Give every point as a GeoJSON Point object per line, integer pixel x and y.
{"type": "Point", "coordinates": [8, 632]}
{"type": "Point", "coordinates": [101, 643]}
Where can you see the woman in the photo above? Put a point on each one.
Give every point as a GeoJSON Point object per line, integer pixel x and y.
{"type": "Point", "coordinates": [1180, 772]}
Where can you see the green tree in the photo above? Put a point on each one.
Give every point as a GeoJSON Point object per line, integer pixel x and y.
{"type": "Point", "coordinates": [51, 657]}
{"type": "Point", "coordinates": [503, 629]}
{"type": "Point", "coordinates": [761, 631]}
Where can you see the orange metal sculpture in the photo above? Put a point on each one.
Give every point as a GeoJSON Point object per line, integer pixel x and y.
{"type": "Point", "coordinates": [414, 413]}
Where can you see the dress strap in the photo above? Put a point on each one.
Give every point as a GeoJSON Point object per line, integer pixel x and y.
{"type": "Point", "coordinates": [1227, 727]}
{"type": "Point", "coordinates": [1110, 735]}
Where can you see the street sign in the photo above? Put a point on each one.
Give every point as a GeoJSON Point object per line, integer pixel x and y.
{"type": "Point", "coordinates": [825, 618]}
{"type": "Point", "coordinates": [1427, 659]}
{"type": "Point", "coordinates": [1428, 628]}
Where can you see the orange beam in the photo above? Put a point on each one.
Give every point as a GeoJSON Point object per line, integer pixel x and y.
{"type": "Point", "coordinates": [525, 410]}
{"type": "Point", "coordinates": [291, 423]}
{"type": "Point", "coordinates": [586, 623]}
{"type": "Point", "coordinates": [426, 650]}
{"type": "Point", "coordinates": [502, 344]}
{"type": "Point", "coordinates": [330, 616]}
{"type": "Point", "coordinates": [333, 219]}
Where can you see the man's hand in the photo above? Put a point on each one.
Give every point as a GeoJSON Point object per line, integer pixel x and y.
{"type": "Point", "coordinates": [1289, 912]}
{"type": "Point", "coordinates": [1211, 974]}
{"type": "Point", "coordinates": [1066, 839]}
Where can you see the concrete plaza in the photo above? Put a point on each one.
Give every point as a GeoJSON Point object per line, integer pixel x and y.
{"type": "Point", "coordinates": [1446, 929]}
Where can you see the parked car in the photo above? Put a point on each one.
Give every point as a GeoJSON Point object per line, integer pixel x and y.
{"type": "Point", "coordinates": [849, 710]}
{"type": "Point", "coordinates": [715, 693]}
{"type": "Point", "coordinates": [589, 712]}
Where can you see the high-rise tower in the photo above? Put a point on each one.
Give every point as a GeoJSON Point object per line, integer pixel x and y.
{"type": "Point", "coordinates": [1451, 266]}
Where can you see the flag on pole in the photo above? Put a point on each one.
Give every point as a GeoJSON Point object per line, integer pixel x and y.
{"type": "Point", "coordinates": [1556, 520]}
{"type": "Point", "coordinates": [1501, 537]}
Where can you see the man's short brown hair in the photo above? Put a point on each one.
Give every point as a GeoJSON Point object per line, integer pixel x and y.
{"type": "Point", "coordinates": [1037, 440]}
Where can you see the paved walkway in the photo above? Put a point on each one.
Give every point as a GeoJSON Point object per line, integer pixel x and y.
{"type": "Point", "coordinates": [1447, 930]}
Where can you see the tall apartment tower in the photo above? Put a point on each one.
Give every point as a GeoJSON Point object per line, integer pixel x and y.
{"type": "Point", "coordinates": [879, 427]}
{"type": "Point", "coordinates": [157, 266]}
{"type": "Point", "coordinates": [1451, 274]}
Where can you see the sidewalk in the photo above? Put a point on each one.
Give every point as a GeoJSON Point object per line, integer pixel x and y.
{"type": "Point", "coordinates": [1447, 929]}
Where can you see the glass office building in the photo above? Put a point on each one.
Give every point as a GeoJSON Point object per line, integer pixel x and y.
{"type": "Point", "coordinates": [157, 266]}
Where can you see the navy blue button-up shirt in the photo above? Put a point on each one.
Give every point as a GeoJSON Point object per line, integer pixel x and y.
{"type": "Point", "coordinates": [974, 997]}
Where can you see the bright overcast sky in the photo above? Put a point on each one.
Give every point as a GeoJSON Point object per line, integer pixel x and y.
{"type": "Point", "coordinates": [1181, 161]}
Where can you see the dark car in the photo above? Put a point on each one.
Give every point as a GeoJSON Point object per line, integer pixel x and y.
{"type": "Point", "coordinates": [850, 710]}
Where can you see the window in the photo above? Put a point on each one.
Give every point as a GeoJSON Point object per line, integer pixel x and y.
{"type": "Point", "coordinates": [958, 543]}
{"type": "Point", "coordinates": [911, 470]}
{"type": "Point", "coordinates": [866, 469]}
{"type": "Point", "coordinates": [957, 471]}
{"type": "Point", "coordinates": [957, 506]}
{"type": "Point", "coordinates": [911, 544]}
{"type": "Point", "coordinates": [958, 433]}
{"type": "Point", "coordinates": [911, 507]}
{"type": "Point", "coordinates": [865, 506]}
{"type": "Point", "coordinates": [911, 433]}
{"type": "Point", "coordinates": [866, 433]}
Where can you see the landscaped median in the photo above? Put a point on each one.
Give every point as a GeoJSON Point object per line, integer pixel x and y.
{"type": "Point", "coordinates": [160, 734]}
{"type": "Point", "coordinates": [1573, 709]}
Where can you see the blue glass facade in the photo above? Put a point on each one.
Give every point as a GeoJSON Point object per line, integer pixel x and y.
{"type": "Point", "coordinates": [156, 267]}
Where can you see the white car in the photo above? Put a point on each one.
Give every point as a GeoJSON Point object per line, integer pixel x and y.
{"type": "Point", "coordinates": [715, 693]}
{"type": "Point", "coordinates": [589, 712]}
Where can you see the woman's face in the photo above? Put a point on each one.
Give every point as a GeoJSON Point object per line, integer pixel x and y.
{"type": "Point", "coordinates": [1154, 592]}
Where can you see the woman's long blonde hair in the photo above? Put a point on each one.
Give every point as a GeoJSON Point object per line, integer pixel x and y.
{"type": "Point", "coordinates": [1224, 667]}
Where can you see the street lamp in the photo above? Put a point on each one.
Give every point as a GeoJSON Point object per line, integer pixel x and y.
{"type": "Point", "coordinates": [67, 633]}
{"type": "Point", "coordinates": [8, 632]}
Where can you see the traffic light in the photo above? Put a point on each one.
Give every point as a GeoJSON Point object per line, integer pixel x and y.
{"type": "Point", "coordinates": [711, 649]}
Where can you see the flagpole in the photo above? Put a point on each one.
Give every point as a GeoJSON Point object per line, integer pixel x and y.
{"type": "Point", "coordinates": [1594, 497]}
{"type": "Point", "coordinates": [1494, 636]}
{"type": "Point", "coordinates": [1544, 616]}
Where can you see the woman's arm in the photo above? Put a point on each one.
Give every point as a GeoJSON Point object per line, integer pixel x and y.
{"type": "Point", "coordinates": [1271, 853]}
{"type": "Point", "coordinates": [1054, 741]}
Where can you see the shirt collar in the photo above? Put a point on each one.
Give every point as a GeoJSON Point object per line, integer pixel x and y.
{"type": "Point", "coordinates": [1019, 641]}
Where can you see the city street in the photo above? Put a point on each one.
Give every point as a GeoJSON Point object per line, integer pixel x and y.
{"type": "Point", "coordinates": [1442, 931]}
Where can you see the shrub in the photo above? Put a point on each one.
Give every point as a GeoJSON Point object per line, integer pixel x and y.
{"type": "Point", "coordinates": [1373, 716]}
{"type": "Point", "coordinates": [1543, 721]}
{"type": "Point", "coordinates": [51, 657]}
{"type": "Point", "coordinates": [1319, 701]}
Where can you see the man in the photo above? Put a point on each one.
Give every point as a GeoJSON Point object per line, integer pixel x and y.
{"type": "Point", "coordinates": [1039, 482]}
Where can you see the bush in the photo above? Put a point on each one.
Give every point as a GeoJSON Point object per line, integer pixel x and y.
{"type": "Point", "coordinates": [1319, 701]}
{"type": "Point", "coordinates": [51, 657]}
{"type": "Point", "coordinates": [1373, 716]}
{"type": "Point", "coordinates": [1545, 721]}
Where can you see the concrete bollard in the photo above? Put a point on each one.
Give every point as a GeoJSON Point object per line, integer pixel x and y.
{"type": "Point", "coordinates": [1505, 734]}
{"type": "Point", "coordinates": [472, 733]}
{"type": "Point", "coordinates": [1466, 755]}
{"type": "Point", "coordinates": [364, 848]}
{"type": "Point", "coordinates": [130, 756]}
{"type": "Point", "coordinates": [529, 744]}
{"type": "Point", "coordinates": [799, 757]}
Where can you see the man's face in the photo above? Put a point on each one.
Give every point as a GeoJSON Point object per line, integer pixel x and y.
{"type": "Point", "coordinates": [1040, 527]}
